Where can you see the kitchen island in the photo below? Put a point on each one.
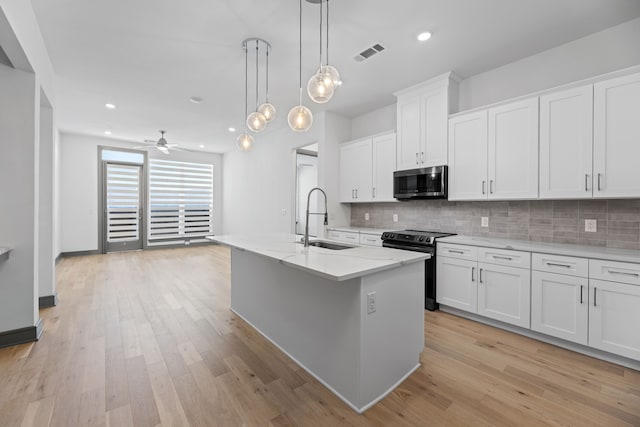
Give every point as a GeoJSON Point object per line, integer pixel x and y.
{"type": "Point", "coordinates": [352, 318]}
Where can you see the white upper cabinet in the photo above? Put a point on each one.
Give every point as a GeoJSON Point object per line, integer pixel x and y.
{"type": "Point", "coordinates": [422, 122]}
{"type": "Point", "coordinates": [493, 154]}
{"type": "Point", "coordinates": [355, 171]}
{"type": "Point", "coordinates": [616, 137]}
{"type": "Point", "coordinates": [384, 164]}
{"type": "Point", "coordinates": [513, 150]}
{"type": "Point", "coordinates": [566, 144]}
{"type": "Point", "coordinates": [468, 156]}
{"type": "Point", "coordinates": [366, 169]}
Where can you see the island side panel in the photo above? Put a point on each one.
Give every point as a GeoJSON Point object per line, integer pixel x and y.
{"type": "Point", "coordinates": [315, 320]}
{"type": "Point", "coordinates": [393, 335]}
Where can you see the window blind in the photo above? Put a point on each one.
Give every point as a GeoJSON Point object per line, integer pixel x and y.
{"type": "Point", "coordinates": [123, 202]}
{"type": "Point", "coordinates": [180, 199]}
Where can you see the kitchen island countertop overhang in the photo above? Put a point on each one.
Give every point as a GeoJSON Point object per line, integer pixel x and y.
{"type": "Point", "coordinates": [353, 318]}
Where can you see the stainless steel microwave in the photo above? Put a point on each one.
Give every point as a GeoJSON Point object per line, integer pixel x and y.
{"type": "Point", "coordinates": [423, 183]}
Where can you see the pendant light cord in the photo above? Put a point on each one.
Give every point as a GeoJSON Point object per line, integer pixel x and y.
{"type": "Point", "coordinates": [257, 48]}
{"type": "Point", "coordinates": [300, 55]}
{"type": "Point", "coordinates": [246, 78]}
{"type": "Point", "coordinates": [267, 77]}
{"type": "Point", "coordinates": [321, 34]}
{"type": "Point", "coordinates": [327, 54]}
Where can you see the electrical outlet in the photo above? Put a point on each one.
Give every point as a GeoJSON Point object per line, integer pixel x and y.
{"type": "Point", "coordinates": [395, 217]}
{"type": "Point", "coordinates": [484, 221]}
{"type": "Point", "coordinates": [371, 302]}
{"type": "Point", "coordinates": [283, 212]}
{"type": "Point", "coordinates": [590, 225]}
{"type": "Point", "coordinates": [366, 216]}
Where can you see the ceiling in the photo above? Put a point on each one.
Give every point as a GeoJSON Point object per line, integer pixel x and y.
{"type": "Point", "coordinates": [148, 57]}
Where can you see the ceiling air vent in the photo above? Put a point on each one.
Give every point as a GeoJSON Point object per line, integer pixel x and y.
{"type": "Point", "coordinates": [369, 52]}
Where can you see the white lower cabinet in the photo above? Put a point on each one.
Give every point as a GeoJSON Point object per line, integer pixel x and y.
{"type": "Point", "coordinates": [456, 283]}
{"type": "Point", "coordinates": [504, 293]}
{"type": "Point", "coordinates": [595, 303]}
{"type": "Point", "coordinates": [560, 306]}
{"type": "Point", "coordinates": [614, 316]}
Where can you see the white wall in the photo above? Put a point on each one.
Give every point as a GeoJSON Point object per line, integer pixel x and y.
{"type": "Point", "coordinates": [609, 50]}
{"type": "Point", "coordinates": [79, 190]}
{"type": "Point", "coordinates": [19, 110]}
{"type": "Point", "coordinates": [374, 122]}
{"type": "Point", "coordinates": [259, 185]}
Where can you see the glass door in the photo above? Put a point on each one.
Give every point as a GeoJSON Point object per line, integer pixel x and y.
{"type": "Point", "coordinates": [122, 203]}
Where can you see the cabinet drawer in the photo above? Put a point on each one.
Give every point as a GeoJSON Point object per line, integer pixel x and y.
{"type": "Point", "coordinates": [612, 271]}
{"type": "Point", "coordinates": [335, 235]}
{"type": "Point", "coordinates": [457, 251]}
{"type": "Point", "coordinates": [505, 257]}
{"type": "Point", "coordinates": [351, 237]}
{"type": "Point", "coordinates": [370, 239]}
{"type": "Point", "coordinates": [568, 265]}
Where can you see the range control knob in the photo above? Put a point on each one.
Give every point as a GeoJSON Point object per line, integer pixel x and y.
{"type": "Point", "coordinates": [421, 238]}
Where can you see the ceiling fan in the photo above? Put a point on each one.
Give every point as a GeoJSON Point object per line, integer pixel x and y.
{"type": "Point", "coordinates": [161, 144]}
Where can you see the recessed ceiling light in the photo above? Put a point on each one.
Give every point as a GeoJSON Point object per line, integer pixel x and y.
{"type": "Point", "coordinates": [232, 129]}
{"type": "Point", "coordinates": [110, 106]}
{"type": "Point", "coordinates": [201, 146]}
{"type": "Point", "coordinates": [107, 132]}
{"type": "Point", "coordinates": [196, 99]}
{"type": "Point", "coordinates": [424, 36]}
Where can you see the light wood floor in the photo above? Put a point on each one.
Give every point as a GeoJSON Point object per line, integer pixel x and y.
{"type": "Point", "coordinates": [147, 338]}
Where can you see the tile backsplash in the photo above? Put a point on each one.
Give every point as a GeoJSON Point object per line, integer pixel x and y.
{"type": "Point", "coordinates": [557, 221]}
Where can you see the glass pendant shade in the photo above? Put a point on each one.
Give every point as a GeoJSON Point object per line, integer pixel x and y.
{"type": "Point", "coordinates": [330, 75]}
{"type": "Point", "coordinates": [256, 122]}
{"type": "Point", "coordinates": [268, 111]}
{"type": "Point", "coordinates": [244, 142]}
{"type": "Point", "coordinates": [300, 118]}
{"type": "Point", "coordinates": [320, 88]}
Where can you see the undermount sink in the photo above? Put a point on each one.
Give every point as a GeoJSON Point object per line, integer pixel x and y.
{"type": "Point", "coordinates": [329, 245]}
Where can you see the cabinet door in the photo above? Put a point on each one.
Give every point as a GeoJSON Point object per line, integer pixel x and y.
{"type": "Point", "coordinates": [384, 164]}
{"type": "Point", "coordinates": [456, 283]}
{"type": "Point", "coordinates": [513, 150]}
{"type": "Point", "coordinates": [434, 111]}
{"type": "Point", "coordinates": [355, 171]}
{"type": "Point", "coordinates": [616, 137]}
{"type": "Point", "coordinates": [504, 293]}
{"type": "Point", "coordinates": [468, 156]}
{"type": "Point", "coordinates": [559, 306]}
{"type": "Point", "coordinates": [408, 133]}
{"type": "Point", "coordinates": [566, 144]}
{"type": "Point", "coordinates": [614, 316]}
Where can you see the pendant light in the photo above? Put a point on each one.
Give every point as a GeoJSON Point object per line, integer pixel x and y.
{"type": "Point", "coordinates": [267, 109]}
{"type": "Point", "coordinates": [300, 118]}
{"type": "Point", "coordinates": [323, 84]}
{"type": "Point", "coordinates": [256, 121]}
{"type": "Point", "coordinates": [244, 140]}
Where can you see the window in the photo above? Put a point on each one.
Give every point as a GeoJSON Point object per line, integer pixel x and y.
{"type": "Point", "coordinates": [180, 200]}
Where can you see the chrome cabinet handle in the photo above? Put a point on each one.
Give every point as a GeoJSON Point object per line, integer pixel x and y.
{"type": "Point", "coordinates": [356, 193]}
{"type": "Point", "coordinates": [422, 157]}
{"type": "Point", "coordinates": [451, 251]}
{"type": "Point", "coordinates": [586, 182]}
{"type": "Point", "coordinates": [491, 186]}
{"type": "Point", "coordinates": [558, 265]}
{"type": "Point", "coordinates": [483, 182]}
{"type": "Point", "coordinates": [581, 293]}
{"type": "Point", "coordinates": [473, 270]}
{"type": "Point", "coordinates": [417, 161]}
{"type": "Point", "coordinates": [480, 276]}
{"type": "Point", "coordinates": [599, 186]}
{"type": "Point", "coordinates": [373, 192]}
{"type": "Point", "coordinates": [622, 273]}
{"type": "Point", "coordinates": [508, 258]}
{"type": "Point", "coordinates": [594, 296]}
{"type": "Point", "coordinates": [353, 193]}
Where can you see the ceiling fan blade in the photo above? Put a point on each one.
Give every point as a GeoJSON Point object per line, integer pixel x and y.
{"type": "Point", "coordinates": [144, 147]}
{"type": "Point", "coordinates": [165, 150]}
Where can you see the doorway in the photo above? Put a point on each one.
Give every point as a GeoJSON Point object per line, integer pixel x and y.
{"type": "Point", "coordinates": [122, 206]}
{"type": "Point", "coordinates": [306, 179]}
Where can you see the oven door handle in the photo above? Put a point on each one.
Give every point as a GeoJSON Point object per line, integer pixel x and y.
{"type": "Point", "coordinates": [424, 249]}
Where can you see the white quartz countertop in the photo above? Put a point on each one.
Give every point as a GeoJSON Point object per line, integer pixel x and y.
{"type": "Point", "coordinates": [595, 252]}
{"type": "Point", "coordinates": [336, 265]}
